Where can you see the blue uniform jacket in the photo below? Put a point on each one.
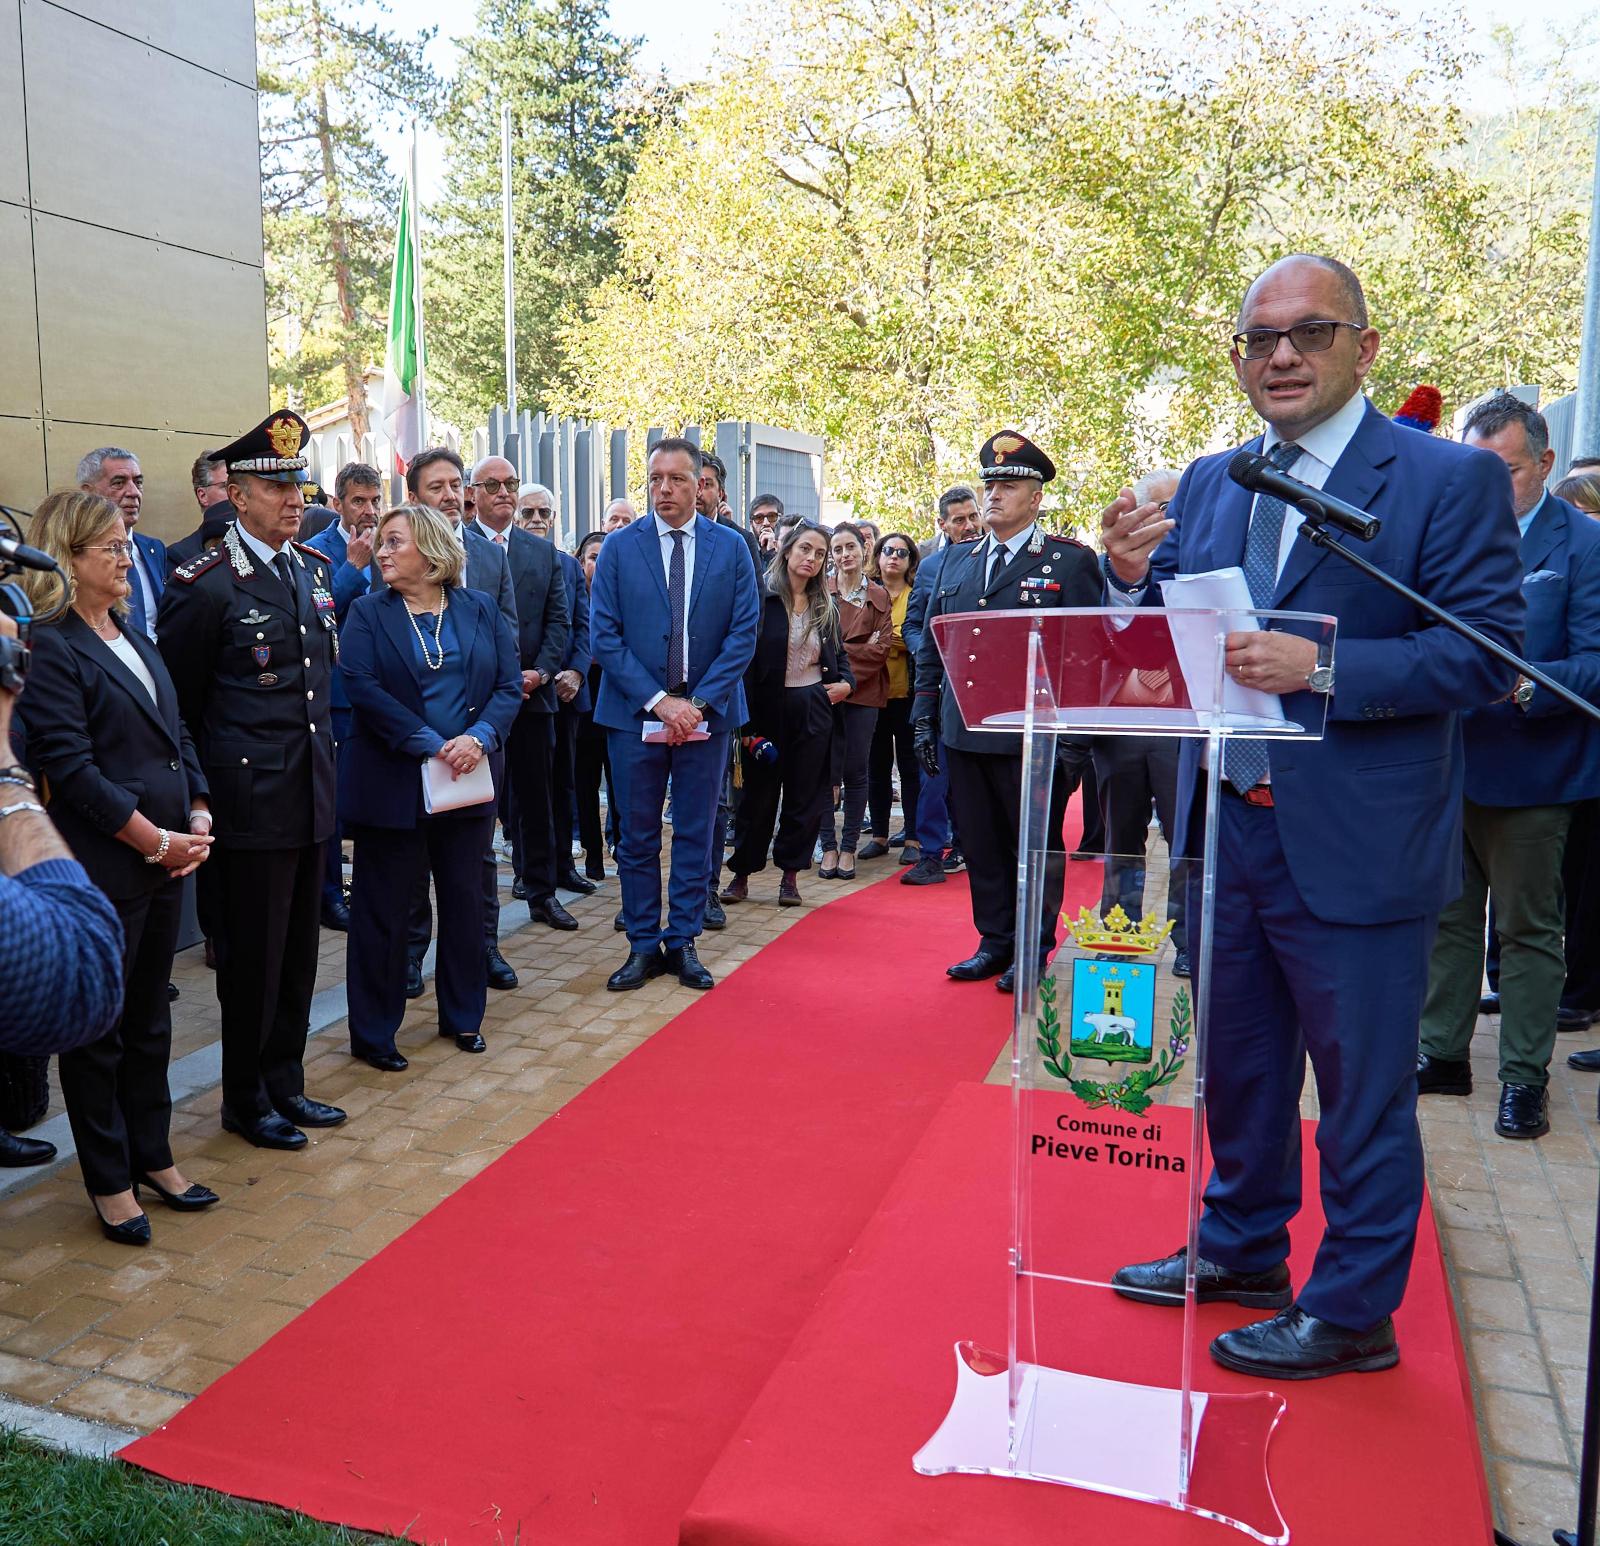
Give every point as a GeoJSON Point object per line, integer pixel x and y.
{"type": "Point", "coordinates": [1370, 816]}
{"type": "Point", "coordinates": [1548, 753]}
{"type": "Point", "coordinates": [629, 623]}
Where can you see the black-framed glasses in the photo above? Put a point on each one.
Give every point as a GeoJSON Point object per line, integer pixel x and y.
{"type": "Point", "coordinates": [496, 485]}
{"type": "Point", "coordinates": [895, 553]}
{"type": "Point", "coordinates": [1261, 343]}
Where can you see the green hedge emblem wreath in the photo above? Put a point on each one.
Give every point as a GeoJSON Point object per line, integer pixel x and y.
{"type": "Point", "coordinates": [1132, 1093]}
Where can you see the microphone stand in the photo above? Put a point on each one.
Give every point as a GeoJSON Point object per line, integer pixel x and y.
{"type": "Point", "coordinates": [1315, 531]}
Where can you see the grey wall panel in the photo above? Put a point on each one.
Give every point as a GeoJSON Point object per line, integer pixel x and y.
{"type": "Point", "coordinates": [164, 458]}
{"type": "Point", "coordinates": [22, 481]}
{"type": "Point", "coordinates": [13, 161]}
{"type": "Point", "coordinates": [125, 136]}
{"type": "Point", "coordinates": [19, 337]}
{"type": "Point", "coordinates": [184, 333]}
{"type": "Point", "coordinates": [217, 35]}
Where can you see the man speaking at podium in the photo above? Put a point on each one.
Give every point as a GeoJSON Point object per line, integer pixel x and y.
{"type": "Point", "coordinates": [1335, 857]}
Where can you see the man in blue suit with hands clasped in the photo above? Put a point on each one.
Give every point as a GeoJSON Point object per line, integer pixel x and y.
{"type": "Point", "coordinates": [672, 621]}
{"type": "Point", "coordinates": [1336, 856]}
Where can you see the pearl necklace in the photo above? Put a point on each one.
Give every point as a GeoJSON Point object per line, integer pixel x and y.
{"type": "Point", "coordinates": [422, 638]}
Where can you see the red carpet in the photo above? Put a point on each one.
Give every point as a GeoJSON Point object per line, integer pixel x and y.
{"type": "Point", "coordinates": [563, 1347]}
{"type": "Point", "coordinates": [823, 1458]}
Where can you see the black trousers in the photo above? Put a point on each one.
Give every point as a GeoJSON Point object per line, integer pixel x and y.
{"type": "Point", "coordinates": [592, 764]}
{"type": "Point", "coordinates": [116, 1088]}
{"type": "Point", "coordinates": [268, 915]}
{"type": "Point", "coordinates": [801, 780]}
{"type": "Point", "coordinates": [1133, 773]}
{"type": "Point", "coordinates": [1580, 874]}
{"type": "Point", "coordinates": [563, 786]}
{"type": "Point", "coordinates": [985, 801]}
{"type": "Point", "coordinates": [891, 747]}
{"type": "Point", "coordinates": [387, 862]}
{"type": "Point", "coordinates": [530, 754]}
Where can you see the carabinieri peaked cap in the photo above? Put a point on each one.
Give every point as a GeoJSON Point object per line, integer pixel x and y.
{"type": "Point", "coordinates": [274, 449]}
{"type": "Point", "coordinates": [1010, 455]}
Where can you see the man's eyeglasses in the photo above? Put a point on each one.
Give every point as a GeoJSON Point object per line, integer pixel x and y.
{"type": "Point", "coordinates": [497, 485]}
{"type": "Point", "coordinates": [115, 549]}
{"type": "Point", "coordinates": [1261, 343]}
{"type": "Point", "coordinates": [543, 510]}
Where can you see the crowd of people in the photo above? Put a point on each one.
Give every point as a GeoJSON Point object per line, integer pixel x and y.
{"type": "Point", "coordinates": [289, 683]}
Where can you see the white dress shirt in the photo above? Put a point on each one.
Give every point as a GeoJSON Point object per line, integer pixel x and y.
{"type": "Point", "coordinates": [1013, 545]}
{"type": "Point", "coordinates": [499, 538]}
{"type": "Point", "coordinates": [259, 548]}
{"type": "Point", "coordinates": [664, 537]}
{"type": "Point", "coordinates": [131, 658]}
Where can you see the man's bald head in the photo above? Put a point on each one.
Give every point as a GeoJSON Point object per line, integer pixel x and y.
{"type": "Point", "coordinates": [1350, 290]}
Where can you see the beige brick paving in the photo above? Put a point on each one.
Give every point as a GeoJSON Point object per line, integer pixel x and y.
{"type": "Point", "coordinates": [87, 1330]}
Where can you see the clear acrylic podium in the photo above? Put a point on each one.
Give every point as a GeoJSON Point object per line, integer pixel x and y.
{"type": "Point", "coordinates": [1108, 1077]}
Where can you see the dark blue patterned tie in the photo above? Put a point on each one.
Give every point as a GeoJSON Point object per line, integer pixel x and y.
{"type": "Point", "coordinates": [675, 598]}
{"type": "Point", "coordinates": [1244, 762]}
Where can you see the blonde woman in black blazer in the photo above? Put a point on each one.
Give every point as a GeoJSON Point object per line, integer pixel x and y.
{"type": "Point", "coordinates": [126, 792]}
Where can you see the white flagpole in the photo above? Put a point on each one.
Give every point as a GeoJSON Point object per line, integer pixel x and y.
{"type": "Point", "coordinates": [511, 295]}
{"type": "Point", "coordinates": [416, 267]}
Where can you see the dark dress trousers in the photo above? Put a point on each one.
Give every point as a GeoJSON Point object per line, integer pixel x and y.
{"type": "Point", "coordinates": [380, 802]}
{"type": "Point", "coordinates": [985, 767]}
{"type": "Point", "coordinates": [253, 667]}
{"type": "Point", "coordinates": [569, 717]}
{"type": "Point", "coordinates": [593, 766]}
{"type": "Point", "coordinates": [107, 750]}
{"type": "Point", "coordinates": [799, 722]}
{"type": "Point", "coordinates": [1328, 899]}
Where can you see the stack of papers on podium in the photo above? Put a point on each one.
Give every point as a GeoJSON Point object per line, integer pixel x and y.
{"type": "Point", "coordinates": [1194, 638]}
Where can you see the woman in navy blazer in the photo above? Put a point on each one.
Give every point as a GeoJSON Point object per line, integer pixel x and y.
{"type": "Point", "coordinates": [432, 672]}
{"type": "Point", "coordinates": [126, 792]}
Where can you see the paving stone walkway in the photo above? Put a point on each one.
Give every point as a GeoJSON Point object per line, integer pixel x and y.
{"type": "Point", "coordinates": [93, 1330]}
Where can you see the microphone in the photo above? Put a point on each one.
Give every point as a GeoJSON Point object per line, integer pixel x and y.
{"type": "Point", "coordinates": [1254, 472]}
{"type": "Point", "coordinates": [14, 552]}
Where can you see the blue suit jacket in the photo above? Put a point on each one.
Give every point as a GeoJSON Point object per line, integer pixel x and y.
{"type": "Point", "coordinates": [154, 553]}
{"type": "Point", "coordinates": [1370, 816]}
{"type": "Point", "coordinates": [1547, 754]}
{"type": "Point", "coordinates": [348, 583]}
{"type": "Point", "coordinates": [380, 781]}
{"type": "Point", "coordinates": [578, 656]}
{"type": "Point", "coordinates": [629, 623]}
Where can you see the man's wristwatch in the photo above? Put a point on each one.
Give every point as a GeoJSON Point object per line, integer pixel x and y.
{"type": "Point", "coordinates": [1523, 693]}
{"type": "Point", "coordinates": [483, 751]}
{"type": "Point", "coordinates": [699, 703]}
{"type": "Point", "coordinates": [1320, 679]}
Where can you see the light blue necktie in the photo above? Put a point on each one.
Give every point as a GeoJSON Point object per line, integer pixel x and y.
{"type": "Point", "coordinates": [137, 613]}
{"type": "Point", "coordinates": [1244, 762]}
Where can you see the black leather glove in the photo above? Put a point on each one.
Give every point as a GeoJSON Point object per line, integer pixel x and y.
{"type": "Point", "coordinates": [925, 742]}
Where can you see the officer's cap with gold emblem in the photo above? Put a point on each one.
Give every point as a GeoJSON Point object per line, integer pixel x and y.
{"type": "Point", "coordinates": [1010, 455]}
{"type": "Point", "coordinates": [274, 449]}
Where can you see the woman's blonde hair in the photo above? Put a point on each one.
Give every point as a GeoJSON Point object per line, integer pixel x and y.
{"type": "Point", "coordinates": [1582, 489]}
{"type": "Point", "coordinates": [435, 539]}
{"type": "Point", "coordinates": [63, 526]}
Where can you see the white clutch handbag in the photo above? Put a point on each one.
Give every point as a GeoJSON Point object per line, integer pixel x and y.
{"type": "Point", "coordinates": [441, 792]}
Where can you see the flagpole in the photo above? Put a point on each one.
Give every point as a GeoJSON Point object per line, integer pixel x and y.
{"type": "Point", "coordinates": [416, 271]}
{"type": "Point", "coordinates": [511, 297]}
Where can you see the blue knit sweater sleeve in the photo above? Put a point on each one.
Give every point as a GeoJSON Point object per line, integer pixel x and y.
{"type": "Point", "coordinates": [60, 959]}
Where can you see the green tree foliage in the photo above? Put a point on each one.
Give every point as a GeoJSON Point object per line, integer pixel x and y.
{"type": "Point", "coordinates": [578, 113]}
{"type": "Point", "coordinates": [328, 196]}
{"type": "Point", "coordinates": [901, 223]}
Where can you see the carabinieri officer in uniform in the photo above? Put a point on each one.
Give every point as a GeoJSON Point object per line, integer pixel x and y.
{"type": "Point", "coordinates": [247, 631]}
{"type": "Point", "coordinates": [1017, 565]}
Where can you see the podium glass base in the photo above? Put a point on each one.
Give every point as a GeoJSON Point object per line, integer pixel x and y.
{"type": "Point", "coordinates": [1107, 1436]}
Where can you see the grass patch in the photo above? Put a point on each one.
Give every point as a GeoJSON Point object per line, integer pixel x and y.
{"type": "Point", "coordinates": [51, 1499]}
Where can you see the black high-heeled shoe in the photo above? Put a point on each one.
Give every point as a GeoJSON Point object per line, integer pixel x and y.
{"type": "Point", "coordinates": [134, 1231]}
{"type": "Point", "coordinates": [190, 1201]}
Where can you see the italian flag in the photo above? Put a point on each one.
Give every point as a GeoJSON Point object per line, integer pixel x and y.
{"type": "Point", "coordinates": [403, 359]}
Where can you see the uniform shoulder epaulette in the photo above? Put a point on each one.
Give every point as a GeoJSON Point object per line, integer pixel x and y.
{"type": "Point", "coordinates": [1076, 542]}
{"type": "Point", "coordinates": [195, 567]}
{"type": "Point", "coordinates": [308, 550]}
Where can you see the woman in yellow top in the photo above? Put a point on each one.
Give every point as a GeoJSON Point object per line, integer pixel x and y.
{"type": "Point", "coordinates": [894, 566]}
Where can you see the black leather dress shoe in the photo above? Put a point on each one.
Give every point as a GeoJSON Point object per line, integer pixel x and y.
{"type": "Point", "coordinates": [637, 970]}
{"type": "Point", "coordinates": [1572, 1019]}
{"type": "Point", "coordinates": [715, 917]}
{"type": "Point", "coordinates": [986, 963]}
{"type": "Point", "coordinates": [1524, 1111]}
{"type": "Point", "coordinates": [469, 1041]}
{"type": "Point", "coordinates": [305, 1112]}
{"type": "Point", "coordinates": [191, 1200]}
{"type": "Point", "coordinates": [1006, 982]}
{"type": "Point", "coordinates": [1489, 1004]}
{"type": "Point", "coordinates": [595, 869]}
{"type": "Point", "coordinates": [413, 979]}
{"type": "Point", "coordinates": [570, 880]}
{"type": "Point", "coordinates": [1161, 1282]}
{"type": "Point", "coordinates": [1588, 1060]}
{"type": "Point", "coordinates": [384, 1062]}
{"type": "Point", "coordinates": [686, 963]}
{"type": "Point", "coordinates": [1297, 1346]}
{"type": "Point", "coordinates": [875, 848]}
{"type": "Point", "coordinates": [268, 1132]}
{"type": "Point", "coordinates": [1180, 963]}
{"type": "Point", "coordinates": [173, 991]}
{"type": "Point", "coordinates": [336, 916]}
{"type": "Point", "coordinates": [549, 911]}
{"type": "Point", "coordinates": [1443, 1076]}
{"type": "Point", "coordinates": [134, 1231]}
{"type": "Point", "coordinates": [519, 889]}
{"type": "Point", "coordinates": [16, 1152]}
{"type": "Point", "coordinates": [499, 970]}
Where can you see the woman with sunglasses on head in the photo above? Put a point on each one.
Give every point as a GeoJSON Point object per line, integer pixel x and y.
{"type": "Point", "coordinates": [799, 672]}
{"type": "Point", "coordinates": [865, 628]}
{"type": "Point", "coordinates": [127, 793]}
{"type": "Point", "coordinates": [894, 563]}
